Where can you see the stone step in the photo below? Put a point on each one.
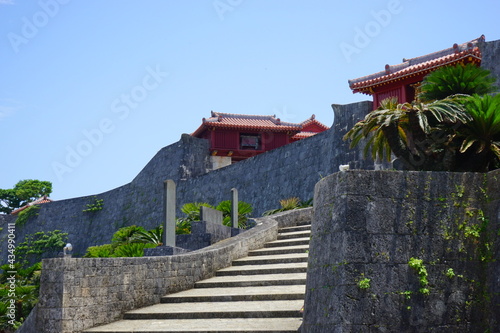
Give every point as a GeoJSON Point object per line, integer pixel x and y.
{"type": "Point", "coordinates": [232, 294]}
{"type": "Point", "coordinates": [280, 250]}
{"type": "Point", "coordinates": [288, 242]}
{"type": "Point", "coordinates": [272, 259]}
{"type": "Point", "coordinates": [263, 269]}
{"type": "Point", "coordinates": [253, 280]}
{"type": "Point", "coordinates": [202, 310]}
{"type": "Point", "coordinates": [263, 292]}
{"type": "Point", "coordinates": [294, 234]}
{"type": "Point", "coordinates": [296, 228]}
{"type": "Point", "coordinates": [240, 325]}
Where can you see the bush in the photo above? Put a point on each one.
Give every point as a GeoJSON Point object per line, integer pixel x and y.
{"type": "Point", "coordinates": [289, 204]}
{"type": "Point", "coordinates": [26, 214]}
{"type": "Point", "coordinates": [132, 249]}
{"type": "Point", "coordinates": [100, 251]}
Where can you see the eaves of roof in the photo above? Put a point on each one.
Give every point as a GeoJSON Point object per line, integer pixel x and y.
{"type": "Point", "coordinates": [420, 65]}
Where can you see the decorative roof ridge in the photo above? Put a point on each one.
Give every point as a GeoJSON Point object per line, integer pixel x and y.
{"type": "Point", "coordinates": [246, 116]}
{"type": "Point", "coordinates": [466, 48]}
{"type": "Point", "coordinates": [312, 119]}
{"type": "Point", "coordinates": [217, 116]}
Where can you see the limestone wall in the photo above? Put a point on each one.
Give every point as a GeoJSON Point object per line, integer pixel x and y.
{"type": "Point", "coordinates": [369, 224]}
{"type": "Point", "coordinates": [490, 55]}
{"type": "Point", "coordinates": [262, 181]}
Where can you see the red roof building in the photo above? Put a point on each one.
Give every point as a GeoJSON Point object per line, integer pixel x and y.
{"type": "Point", "coordinates": [403, 80]}
{"type": "Point", "coordinates": [38, 201]}
{"type": "Point", "coordinates": [242, 136]}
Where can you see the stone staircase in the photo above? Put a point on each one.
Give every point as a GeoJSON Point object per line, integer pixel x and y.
{"type": "Point", "coordinates": [263, 292]}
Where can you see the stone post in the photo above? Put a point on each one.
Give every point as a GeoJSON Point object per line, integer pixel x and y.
{"type": "Point", "coordinates": [234, 207]}
{"type": "Point", "coordinates": [169, 209]}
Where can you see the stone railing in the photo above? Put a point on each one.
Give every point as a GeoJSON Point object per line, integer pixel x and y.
{"type": "Point", "coordinates": [79, 293]}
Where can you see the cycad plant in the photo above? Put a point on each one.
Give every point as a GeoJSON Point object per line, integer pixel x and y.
{"type": "Point", "coordinates": [453, 125]}
{"type": "Point", "coordinates": [459, 79]}
{"type": "Point", "coordinates": [244, 211]}
{"type": "Point", "coordinates": [480, 148]}
{"type": "Point", "coordinates": [153, 236]}
{"type": "Point", "coordinates": [131, 249]}
{"type": "Point", "coordinates": [417, 133]}
{"type": "Point", "coordinates": [126, 235]}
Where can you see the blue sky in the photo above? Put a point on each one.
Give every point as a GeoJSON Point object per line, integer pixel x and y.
{"type": "Point", "coordinates": [91, 90]}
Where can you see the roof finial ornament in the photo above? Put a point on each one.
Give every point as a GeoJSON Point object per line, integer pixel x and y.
{"type": "Point", "coordinates": [313, 116]}
{"type": "Point", "coordinates": [387, 69]}
{"type": "Point", "coordinates": [212, 113]}
{"type": "Point", "coordinates": [455, 48]}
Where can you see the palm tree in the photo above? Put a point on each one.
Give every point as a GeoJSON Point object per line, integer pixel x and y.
{"type": "Point", "coordinates": [419, 134]}
{"type": "Point", "coordinates": [244, 211]}
{"type": "Point", "coordinates": [459, 79]}
{"type": "Point", "coordinates": [153, 236]}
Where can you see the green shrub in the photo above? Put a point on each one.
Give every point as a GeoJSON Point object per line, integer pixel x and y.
{"type": "Point", "coordinates": [26, 214]}
{"type": "Point", "coordinates": [289, 204]}
{"type": "Point", "coordinates": [153, 236]}
{"type": "Point", "coordinates": [99, 251]}
{"type": "Point", "coordinates": [132, 250]}
{"type": "Point", "coordinates": [244, 211]}
{"type": "Point", "coordinates": [95, 206]}
{"type": "Point", "coordinates": [26, 290]}
{"type": "Point", "coordinates": [33, 247]}
{"type": "Point", "coordinates": [126, 234]}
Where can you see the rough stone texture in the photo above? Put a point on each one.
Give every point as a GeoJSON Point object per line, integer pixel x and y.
{"type": "Point", "coordinates": [368, 224]}
{"type": "Point", "coordinates": [262, 181]}
{"type": "Point", "coordinates": [204, 234]}
{"type": "Point", "coordinates": [490, 56]}
{"type": "Point", "coordinates": [79, 293]}
{"type": "Point", "coordinates": [211, 215]}
{"type": "Point", "coordinates": [164, 251]}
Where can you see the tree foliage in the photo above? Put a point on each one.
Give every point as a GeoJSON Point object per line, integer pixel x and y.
{"type": "Point", "coordinates": [24, 192]}
{"type": "Point", "coordinates": [25, 286]}
{"type": "Point", "coordinates": [444, 129]}
{"type": "Point", "coordinates": [466, 79]}
{"type": "Point", "coordinates": [34, 246]}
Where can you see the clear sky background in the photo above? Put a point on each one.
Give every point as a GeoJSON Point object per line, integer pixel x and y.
{"type": "Point", "coordinates": [90, 90]}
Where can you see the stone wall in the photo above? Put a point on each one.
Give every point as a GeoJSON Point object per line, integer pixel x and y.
{"type": "Point", "coordinates": [79, 293]}
{"type": "Point", "coordinates": [369, 224]}
{"type": "Point", "coordinates": [262, 181]}
{"type": "Point", "coordinates": [490, 56]}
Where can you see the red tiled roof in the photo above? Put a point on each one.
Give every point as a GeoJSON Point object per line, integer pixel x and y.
{"type": "Point", "coordinates": [303, 135]}
{"type": "Point", "coordinates": [38, 201]}
{"type": "Point", "coordinates": [253, 122]}
{"type": "Point", "coordinates": [418, 65]}
{"type": "Point", "coordinates": [256, 122]}
{"type": "Point", "coordinates": [313, 121]}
